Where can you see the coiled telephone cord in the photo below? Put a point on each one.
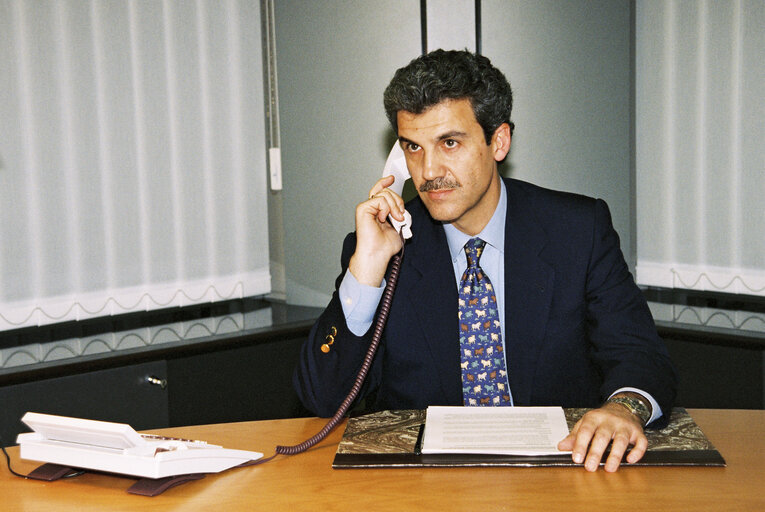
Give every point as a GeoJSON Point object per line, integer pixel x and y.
{"type": "Point", "coordinates": [385, 304]}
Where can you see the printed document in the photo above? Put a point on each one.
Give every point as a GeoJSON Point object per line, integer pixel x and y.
{"type": "Point", "coordinates": [494, 430]}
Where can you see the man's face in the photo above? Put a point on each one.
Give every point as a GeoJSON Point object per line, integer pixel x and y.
{"type": "Point", "coordinates": [452, 167]}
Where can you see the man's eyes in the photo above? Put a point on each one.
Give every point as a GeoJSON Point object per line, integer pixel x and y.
{"type": "Point", "coordinates": [411, 147]}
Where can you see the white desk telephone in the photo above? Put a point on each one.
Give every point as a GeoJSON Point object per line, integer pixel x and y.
{"type": "Point", "coordinates": [117, 448]}
{"type": "Point", "coordinates": [395, 166]}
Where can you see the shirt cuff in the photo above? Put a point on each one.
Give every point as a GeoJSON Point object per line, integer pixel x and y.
{"type": "Point", "coordinates": [655, 409]}
{"type": "Point", "coordinates": [359, 303]}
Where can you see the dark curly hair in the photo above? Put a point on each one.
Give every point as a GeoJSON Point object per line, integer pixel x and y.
{"type": "Point", "coordinates": [449, 75]}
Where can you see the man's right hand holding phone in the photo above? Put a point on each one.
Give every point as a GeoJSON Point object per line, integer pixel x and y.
{"type": "Point", "coordinates": [376, 240]}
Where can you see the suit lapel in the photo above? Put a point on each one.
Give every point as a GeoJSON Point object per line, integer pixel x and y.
{"type": "Point", "coordinates": [529, 284]}
{"type": "Point", "coordinates": [528, 292]}
{"type": "Point", "coordinates": [433, 298]}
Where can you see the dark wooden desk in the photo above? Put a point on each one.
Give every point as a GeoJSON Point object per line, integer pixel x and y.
{"type": "Point", "coordinates": [307, 481]}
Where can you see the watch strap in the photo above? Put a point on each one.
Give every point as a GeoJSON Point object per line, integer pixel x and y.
{"type": "Point", "coordinates": [634, 405]}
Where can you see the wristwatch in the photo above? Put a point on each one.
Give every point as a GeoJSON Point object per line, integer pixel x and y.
{"type": "Point", "coordinates": [636, 406]}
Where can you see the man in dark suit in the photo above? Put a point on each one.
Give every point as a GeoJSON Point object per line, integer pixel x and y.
{"type": "Point", "coordinates": [570, 327]}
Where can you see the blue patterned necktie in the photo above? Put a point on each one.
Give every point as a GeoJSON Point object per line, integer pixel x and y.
{"type": "Point", "coordinates": [484, 375]}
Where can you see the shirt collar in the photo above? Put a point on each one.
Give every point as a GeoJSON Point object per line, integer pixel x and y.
{"type": "Point", "coordinates": [493, 234]}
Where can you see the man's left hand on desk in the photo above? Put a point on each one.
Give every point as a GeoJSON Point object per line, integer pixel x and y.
{"type": "Point", "coordinates": [597, 429]}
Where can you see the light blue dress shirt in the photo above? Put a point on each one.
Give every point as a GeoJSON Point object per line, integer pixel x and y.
{"type": "Point", "coordinates": [360, 301]}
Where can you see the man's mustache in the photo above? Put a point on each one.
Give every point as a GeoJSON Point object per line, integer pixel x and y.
{"type": "Point", "coordinates": [439, 184]}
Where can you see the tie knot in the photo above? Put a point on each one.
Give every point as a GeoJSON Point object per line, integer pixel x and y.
{"type": "Point", "coordinates": [473, 250]}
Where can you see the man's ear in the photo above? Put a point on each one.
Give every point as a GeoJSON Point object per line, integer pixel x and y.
{"type": "Point", "coordinates": [500, 142]}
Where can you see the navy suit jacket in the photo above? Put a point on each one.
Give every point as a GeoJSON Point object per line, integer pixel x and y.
{"type": "Point", "coordinates": [577, 328]}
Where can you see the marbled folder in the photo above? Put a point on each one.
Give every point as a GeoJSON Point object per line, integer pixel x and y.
{"type": "Point", "coordinates": [392, 439]}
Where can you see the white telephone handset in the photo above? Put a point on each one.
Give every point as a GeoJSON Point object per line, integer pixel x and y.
{"type": "Point", "coordinates": [395, 165]}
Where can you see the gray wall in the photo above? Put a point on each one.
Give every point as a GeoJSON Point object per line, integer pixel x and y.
{"type": "Point", "coordinates": [569, 64]}
{"type": "Point", "coordinates": [335, 59]}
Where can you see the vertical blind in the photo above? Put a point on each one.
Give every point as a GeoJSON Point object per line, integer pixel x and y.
{"type": "Point", "coordinates": [700, 145]}
{"type": "Point", "coordinates": [132, 157]}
